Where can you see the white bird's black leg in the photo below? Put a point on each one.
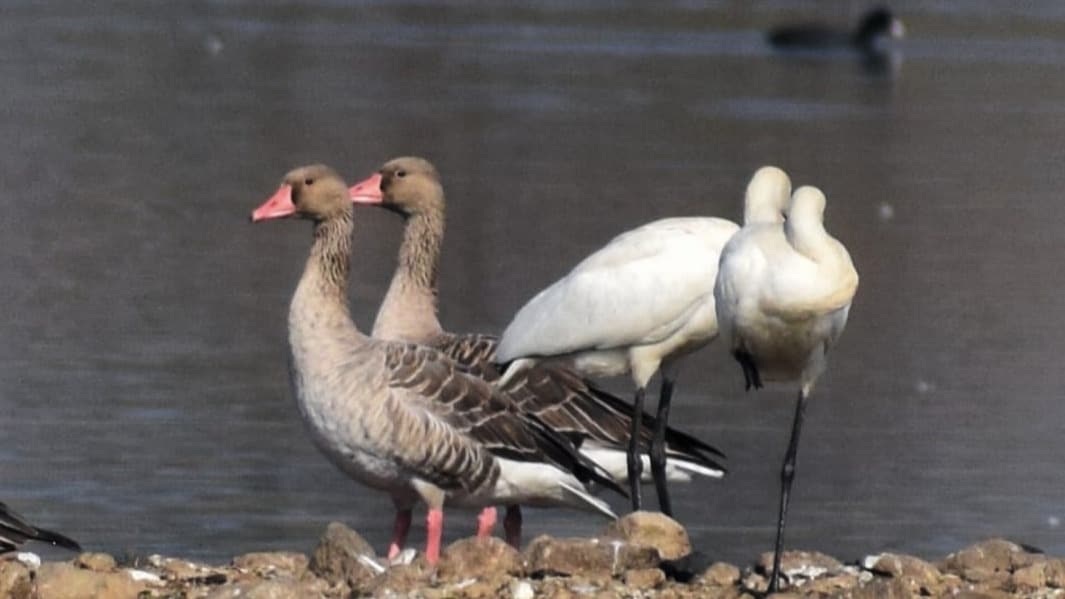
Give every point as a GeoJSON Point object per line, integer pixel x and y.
{"type": "Point", "coordinates": [751, 376]}
{"type": "Point", "coordinates": [787, 475]}
{"type": "Point", "coordinates": [635, 461]}
{"type": "Point", "coordinates": [658, 447]}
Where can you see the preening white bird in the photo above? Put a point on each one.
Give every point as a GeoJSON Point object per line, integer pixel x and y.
{"type": "Point", "coordinates": [637, 306]}
{"type": "Point", "coordinates": [783, 293]}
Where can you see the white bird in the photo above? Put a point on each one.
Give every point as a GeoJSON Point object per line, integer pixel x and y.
{"type": "Point", "coordinates": [599, 422]}
{"type": "Point", "coordinates": [400, 417]}
{"type": "Point", "coordinates": [636, 306]}
{"type": "Point", "coordinates": [783, 293]}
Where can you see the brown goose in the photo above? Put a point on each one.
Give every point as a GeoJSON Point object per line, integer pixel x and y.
{"type": "Point", "coordinates": [557, 395]}
{"type": "Point", "coordinates": [400, 417]}
{"type": "Point", "coordinates": [15, 531]}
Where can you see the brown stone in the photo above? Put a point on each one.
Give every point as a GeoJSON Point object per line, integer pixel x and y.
{"type": "Point", "coordinates": [645, 579]}
{"type": "Point", "coordinates": [97, 562]}
{"type": "Point", "coordinates": [830, 585]}
{"type": "Point", "coordinates": [279, 564]}
{"type": "Point", "coordinates": [586, 557]}
{"type": "Point", "coordinates": [60, 580]}
{"type": "Point", "coordinates": [883, 588]}
{"type": "Point", "coordinates": [266, 589]}
{"type": "Point", "coordinates": [1054, 568]}
{"type": "Point", "coordinates": [344, 556]}
{"type": "Point", "coordinates": [721, 574]}
{"type": "Point", "coordinates": [919, 576]}
{"type": "Point", "coordinates": [981, 562]}
{"type": "Point", "coordinates": [653, 529]}
{"type": "Point", "coordinates": [186, 571]}
{"type": "Point", "coordinates": [796, 566]}
{"type": "Point", "coordinates": [16, 581]}
{"type": "Point", "coordinates": [401, 579]}
{"type": "Point", "coordinates": [1030, 578]}
{"type": "Point", "coordinates": [478, 558]}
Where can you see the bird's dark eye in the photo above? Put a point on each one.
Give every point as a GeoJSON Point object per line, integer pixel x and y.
{"type": "Point", "coordinates": [308, 181]}
{"type": "Point", "coordinates": [401, 174]}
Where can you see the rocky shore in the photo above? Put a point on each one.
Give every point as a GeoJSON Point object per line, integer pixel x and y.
{"type": "Point", "coordinates": [642, 555]}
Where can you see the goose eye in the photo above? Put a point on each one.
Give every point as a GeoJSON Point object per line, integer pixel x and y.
{"type": "Point", "coordinates": [308, 181]}
{"type": "Point", "coordinates": [401, 174]}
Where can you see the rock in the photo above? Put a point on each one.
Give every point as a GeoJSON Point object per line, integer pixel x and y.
{"type": "Point", "coordinates": [521, 589]}
{"type": "Point", "coordinates": [16, 581]}
{"type": "Point", "coordinates": [1054, 569]}
{"type": "Point", "coordinates": [479, 558]}
{"type": "Point", "coordinates": [831, 585]}
{"type": "Point", "coordinates": [1029, 578]}
{"type": "Point", "coordinates": [280, 564]}
{"type": "Point", "coordinates": [985, 560]}
{"type": "Point", "coordinates": [60, 580]}
{"type": "Point", "coordinates": [883, 588]}
{"type": "Point", "coordinates": [796, 566]}
{"type": "Point", "coordinates": [477, 588]}
{"type": "Point", "coordinates": [653, 529]}
{"type": "Point", "coordinates": [186, 571]}
{"type": "Point", "coordinates": [547, 555]}
{"type": "Point", "coordinates": [720, 574]}
{"type": "Point", "coordinates": [401, 579]}
{"type": "Point", "coordinates": [268, 589]}
{"type": "Point", "coordinates": [344, 556]}
{"type": "Point", "coordinates": [645, 579]}
{"type": "Point", "coordinates": [918, 575]}
{"type": "Point", "coordinates": [97, 562]}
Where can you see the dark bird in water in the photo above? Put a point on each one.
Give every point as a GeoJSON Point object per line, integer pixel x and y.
{"type": "Point", "coordinates": [14, 531]}
{"type": "Point", "coordinates": [876, 23]}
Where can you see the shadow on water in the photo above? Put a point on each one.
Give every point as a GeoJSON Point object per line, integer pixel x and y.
{"type": "Point", "coordinates": [143, 371]}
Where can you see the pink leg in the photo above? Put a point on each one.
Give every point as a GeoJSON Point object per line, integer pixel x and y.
{"type": "Point", "coordinates": [434, 531]}
{"type": "Point", "coordinates": [512, 526]}
{"type": "Point", "coordinates": [486, 521]}
{"type": "Point", "coordinates": [399, 532]}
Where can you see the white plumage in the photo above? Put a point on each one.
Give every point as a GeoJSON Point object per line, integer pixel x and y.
{"type": "Point", "coordinates": [783, 295]}
{"type": "Point", "coordinates": [636, 306]}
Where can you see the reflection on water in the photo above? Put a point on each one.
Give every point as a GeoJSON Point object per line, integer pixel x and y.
{"type": "Point", "coordinates": [143, 375]}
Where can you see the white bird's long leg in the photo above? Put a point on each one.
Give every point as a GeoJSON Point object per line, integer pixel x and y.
{"type": "Point", "coordinates": [787, 475]}
{"type": "Point", "coordinates": [635, 460]}
{"type": "Point", "coordinates": [658, 446]}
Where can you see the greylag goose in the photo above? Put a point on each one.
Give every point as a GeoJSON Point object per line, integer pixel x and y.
{"type": "Point", "coordinates": [637, 306]}
{"type": "Point", "coordinates": [400, 417]}
{"type": "Point", "coordinates": [598, 421]}
{"type": "Point", "coordinates": [783, 293]}
{"type": "Point", "coordinates": [15, 531]}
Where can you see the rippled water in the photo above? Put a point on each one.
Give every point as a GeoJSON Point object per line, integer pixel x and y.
{"type": "Point", "coordinates": [143, 382]}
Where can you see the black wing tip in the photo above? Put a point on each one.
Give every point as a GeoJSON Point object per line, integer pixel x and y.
{"type": "Point", "coordinates": [679, 442]}
{"type": "Point", "coordinates": [57, 540]}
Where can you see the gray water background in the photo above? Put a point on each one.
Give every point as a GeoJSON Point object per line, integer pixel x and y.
{"type": "Point", "coordinates": [144, 403]}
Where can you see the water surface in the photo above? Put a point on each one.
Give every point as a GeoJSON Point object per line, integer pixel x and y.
{"type": "Point", "coordinates": [143, 379]}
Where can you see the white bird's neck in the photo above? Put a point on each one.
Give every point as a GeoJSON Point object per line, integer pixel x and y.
{"type": "Point", "coordinates": [409, 308]}
{"type": "Point", "coordinates": [807, 236]}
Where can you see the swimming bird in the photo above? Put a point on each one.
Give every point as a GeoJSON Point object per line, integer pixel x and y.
{"type": "Point", "coordinates": [15, 531]}
{"type": "Point", "coordinates": [637, 306]}
{"type": "Point", "coordinates": [875, 23]}
{"type": "Point", "coordinates": [783, 292]}
{"type": "Point", "coordinates": [400, 417]}
{"type": "Point", "coordinates": [599, 422]}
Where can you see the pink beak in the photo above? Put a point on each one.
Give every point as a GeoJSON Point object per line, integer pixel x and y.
{"type": "Point", "coordinates": [367, 191]}
{"type": "Point", "coordinates": [278, 206]}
